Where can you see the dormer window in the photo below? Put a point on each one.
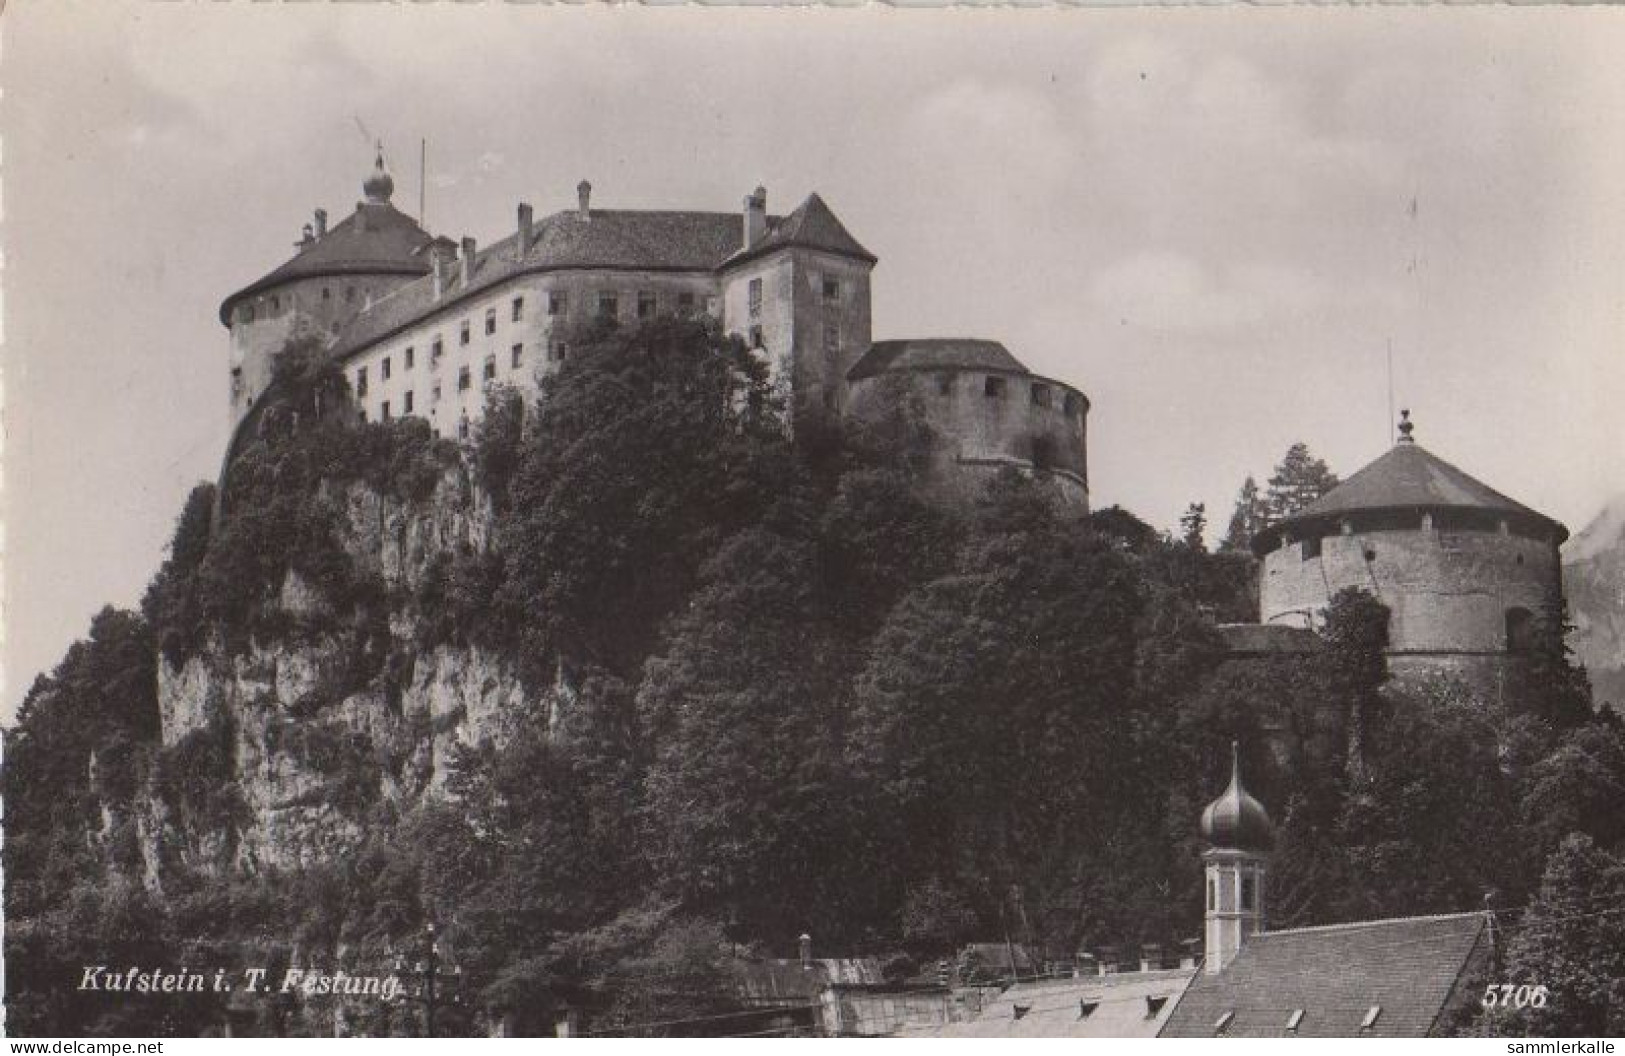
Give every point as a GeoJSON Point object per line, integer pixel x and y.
{"type": "Point", "coordinates": [1370, 1019]}
{"type": "Point", "coordinates": [1293, 1020]}
{"type": "Point", "coordinates": [1086, 1008]}
{"type": "Point", "coordinates": [1153, 1005]}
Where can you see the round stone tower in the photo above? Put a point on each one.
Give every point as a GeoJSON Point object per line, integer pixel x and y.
{"type": "Point", "coordinates": [334, 274]}
{"type": "Point", "coordinates": [987, 409]}
{"type": "Point", "coordinates": [1465, 571]}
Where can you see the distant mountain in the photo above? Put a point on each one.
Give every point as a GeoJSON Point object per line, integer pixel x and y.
{"type": "Point", "coordinates": [1594, 580]}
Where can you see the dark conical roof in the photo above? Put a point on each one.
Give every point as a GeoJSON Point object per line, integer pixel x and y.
{"type": "Point", "coordinates": [1407, 477]}
{"type": "Point", "coordinates": [1237, 821]}
{"type": "Point", "coordinates": [377, 239]}
{"type": "Point", "coordinates": [811, 226]}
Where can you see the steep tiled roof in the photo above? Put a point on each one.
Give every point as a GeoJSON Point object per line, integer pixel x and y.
{"type": "Point", "coordinates": [1405, 968]}
{"type": "Point", "coordinates": [934, 353]}
{"type": "Point", "coordinates": [812, 225]}
{"type": "Point", "coordinates": [608, 238]}
{"type": "Point", "coordinates": [1408, 476]}
{"type": "Point", "coordinates": [1128, 1005]}
{"type": "Point", "coordinates": [375, 239]}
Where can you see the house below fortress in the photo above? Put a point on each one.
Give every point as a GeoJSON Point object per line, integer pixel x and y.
{"type": "Point", "coordinates": [422, 325]}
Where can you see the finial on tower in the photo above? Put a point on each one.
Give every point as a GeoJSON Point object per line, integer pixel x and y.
{"type": "Point", "coordinates": [1405, 427]}
{"type": "Point", "coordinates": [1236, 820]}
{"type": "Point", "coordinates": [378, 186]}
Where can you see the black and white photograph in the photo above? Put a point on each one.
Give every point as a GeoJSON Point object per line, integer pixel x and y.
{"type": "Point", "coordinates": [531, 520]}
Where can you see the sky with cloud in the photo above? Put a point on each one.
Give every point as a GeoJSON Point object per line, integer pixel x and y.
{"type": "Point", "coordinates": [1213, 221]}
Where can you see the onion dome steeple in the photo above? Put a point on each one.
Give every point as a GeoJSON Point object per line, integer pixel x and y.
{"type": "Point", "coordinates": [379, 185]}
{"type": "Point", "coordinates": [1237, 821]}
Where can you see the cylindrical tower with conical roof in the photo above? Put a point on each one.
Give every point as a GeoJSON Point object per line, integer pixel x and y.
{"type": "Point", "coordinates": [1466, 572]}
{"type": "Point", "coordinates": [1239, 835]}
{"type": "Point", "coordinates": [333, 276]}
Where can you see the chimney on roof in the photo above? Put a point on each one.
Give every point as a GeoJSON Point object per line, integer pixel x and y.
{"type": "Point", "coordinates": [321, 223]}
{"type": "Point", "coordinates": [584, 200]}
{"type": "Point", "coordinates": [439, 262]}
{"type": "Point", "coordinates": [469, 248]}
{"type": "Point", "coordinates": [1151, 957]}
{"type": "Point", "coordinates": [1107, 959]}
{"type": "Point", "coordinates": [307, 240]}
{"type": "Point", "coordinates": [755, 216]}
{"type": "Point", "coordinates": [526, 214]}
{"type": "Point", "coordinates": [1190, 953]}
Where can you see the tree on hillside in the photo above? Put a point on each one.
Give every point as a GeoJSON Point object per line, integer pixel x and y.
{"type": "Point", "coordinates": [652, 446]}
{"type": "Point", "coordinates": [1299, 480]}
{"type": "Point", "coordinates": [1571, 942]}
{"type": "Point", "coordinates": [1250, 517]}
{"type": "Point", "coordinates": [1192, 526]}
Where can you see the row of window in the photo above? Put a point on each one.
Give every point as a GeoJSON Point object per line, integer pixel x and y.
{"type": "Point", "coordinates": [556, 353]}
{"type": "Point", "coordinates": [245, 314]}
{"type": "Point", "coordinates": [995, 386]}
{"type": "Point", "coordinates": [753, 294]}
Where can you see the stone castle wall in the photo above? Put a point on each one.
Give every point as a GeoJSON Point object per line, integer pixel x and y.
{"type": "Point", "coordinates": [989, 419]}
{"type": "Point", "coordinates": [1449, 591]}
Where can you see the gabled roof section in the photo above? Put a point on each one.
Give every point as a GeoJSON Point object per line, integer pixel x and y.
{"type": "Point", "coordinates": [935, 353]}
{"type": "Point", "coordinates": [811, 226]}
{"type": "Point", "coordinates": [376, 239]}
{"type": "Point", "coordinates": [1409, 477]}
{"type": "Point", "coordinates": [1119, 1005]}
{"type": "Point", "coordinates": [1408, 968]}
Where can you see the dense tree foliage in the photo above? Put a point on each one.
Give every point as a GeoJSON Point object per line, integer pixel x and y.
{"type": "Point", "coordinates": [777, 685]}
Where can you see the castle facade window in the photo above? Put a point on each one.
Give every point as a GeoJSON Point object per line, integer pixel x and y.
{"type": "Point", "coordinates": [832, 338]}
{"type": "Point", "coordinates": [462, 333]}
{"type": "Point", "coordinates": [1040, 395]}
{"type": "Point", "coordinates": [609, 306]}
{"type": "Point", "coordinates": [434, 393]}
{"type": "Point", "coordinates": [647, 304]}
{"type": "Point", "coordinates": [557, 302]}
{"type": "Point", "coordinates": [383, 369]}
{"type": "Point", "coordinates": [558, 351]}
{"type": "Point", "coordinates": [756, 337]}
{"type": "Point", "coordinates": [361, 383]}
{"type": "Point", "coordinates": [490, 321]}
{"type": "Point", "coordinates": [518, 353]}
{"type": "Point", "coordinates": [685, 302]}
{"type": "Point", "coordinates": [993, 387]}
{"type": "Point", "coordinates": [384, 413]}
{"type": "Point", "coordinates": [490, 374]}
{"type": "Point", "coordinates": [754, 297]}
{"type": "Point", "coordinates": [436, 350]}
{"type": "Point", "coordinates": [327, 293]}
{"type": "Point", "coordinates": [832, 290]}
{"type": "Point", "coordinates": [406, 402]}
{"type": "Point", "coordinates": [408, 355]}
{"type": "Point", "coordinates": [462, 379]}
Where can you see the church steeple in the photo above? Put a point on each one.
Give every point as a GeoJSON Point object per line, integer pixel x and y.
{"type": "Point", "coordinates": [1239, 835]}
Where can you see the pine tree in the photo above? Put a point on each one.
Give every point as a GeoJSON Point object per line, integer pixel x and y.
{"type": "Point", "coordinates": [1249, 518]}
{"type": "Point", "coordinates": [1299, 480]}
{"type": "Point", "coordinates": [1193, 526]}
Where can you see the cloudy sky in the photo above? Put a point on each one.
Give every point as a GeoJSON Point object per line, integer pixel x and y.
{"type": "Point", "coordinates": [1214, 222]}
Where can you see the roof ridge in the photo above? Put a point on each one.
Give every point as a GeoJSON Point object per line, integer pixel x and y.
{"type": "Point", "coordinates": [1352, 924]}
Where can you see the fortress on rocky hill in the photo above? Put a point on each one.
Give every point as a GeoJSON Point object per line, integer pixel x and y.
{"type": "Point", "coordinates": [422, 325]}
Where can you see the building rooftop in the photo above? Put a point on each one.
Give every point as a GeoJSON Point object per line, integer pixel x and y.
{"type": "Point", "coordinates": [935, 353]}
{"type": "Point", "coordinates": [1407, 477]}
{"type": "Point", "coordinates": [375, 239]}
{"type": "Point", "coordinates": [1126, 1005]}
{"type": "Point", "coordinates": [612, 239]}
{"type": "Point", "coordinates": [1380, 978]}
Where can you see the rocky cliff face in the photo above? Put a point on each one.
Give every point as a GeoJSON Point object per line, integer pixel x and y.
{"type": "Point", "coordinates": [330, 718]}
{"type": "Point", "coordinates": [1594, 581]}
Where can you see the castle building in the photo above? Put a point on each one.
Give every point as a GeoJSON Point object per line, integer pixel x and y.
{"type": "Point", "coordinates": [422, 325]}
{"type": "Point", "coordinates": [1465, 571]}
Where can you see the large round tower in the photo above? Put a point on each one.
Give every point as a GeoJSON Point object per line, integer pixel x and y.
{"type": "Point", "coordinates": [334, 274]}
{"type": "Point", "coordinates": [1465, 571]}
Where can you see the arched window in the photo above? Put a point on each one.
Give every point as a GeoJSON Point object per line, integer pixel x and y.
{"type": "Point", "coordinates": [1520, 630]}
